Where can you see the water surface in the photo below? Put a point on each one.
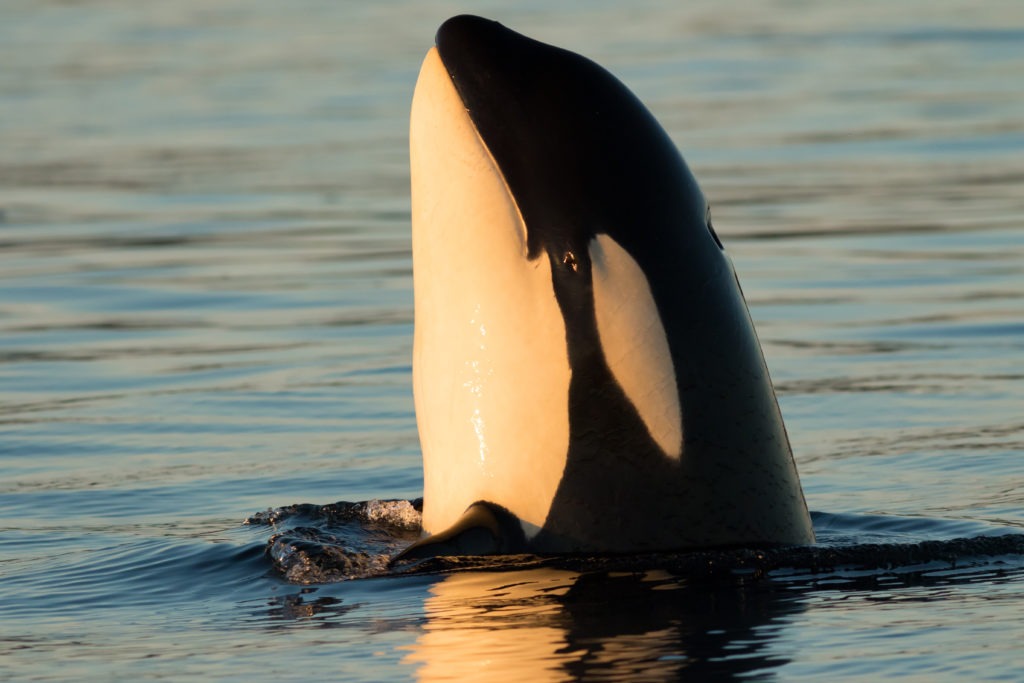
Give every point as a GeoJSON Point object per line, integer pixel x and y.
{"type": "Point", "coordinates": [206, 312]}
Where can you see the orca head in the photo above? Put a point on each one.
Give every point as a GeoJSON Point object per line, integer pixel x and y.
{"type": "Point", "coordinates": [580, 154]}
{"type": "Point", "coordinates": [605, 198]}
{"type": "Point", "coordinates": [570, 291]}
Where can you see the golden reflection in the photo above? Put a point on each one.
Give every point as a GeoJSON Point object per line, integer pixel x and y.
{"type": "Point", "coordinates": [502, 626]}
{"type": "Point", "coordinates": [556, 625]}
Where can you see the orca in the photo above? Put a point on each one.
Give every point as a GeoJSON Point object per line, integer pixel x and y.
{"type": "Point", "coordinates": [586, 375]}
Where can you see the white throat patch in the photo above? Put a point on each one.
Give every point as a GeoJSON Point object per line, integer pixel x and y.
{"type": "Point", "coordinates": [490, 366]}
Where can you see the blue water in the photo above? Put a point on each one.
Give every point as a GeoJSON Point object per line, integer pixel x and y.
{"type": "Point", "coordinates": [206, 312]}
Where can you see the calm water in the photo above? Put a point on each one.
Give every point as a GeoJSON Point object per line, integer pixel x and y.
{"type": "Point", "coordinates": [206, 311]}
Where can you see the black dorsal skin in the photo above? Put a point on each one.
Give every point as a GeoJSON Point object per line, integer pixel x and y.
{"type": "Point", "coordinates": [564, 131]}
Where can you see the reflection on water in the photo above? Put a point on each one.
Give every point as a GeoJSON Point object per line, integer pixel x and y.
{"type": "Point", "coordinates": [297, 607]}
{"type": "Point", "coordinates": [549, 625]}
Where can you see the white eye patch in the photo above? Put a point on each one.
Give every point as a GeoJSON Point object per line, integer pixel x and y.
{"type": "Point", "coordinates": [634, 342]}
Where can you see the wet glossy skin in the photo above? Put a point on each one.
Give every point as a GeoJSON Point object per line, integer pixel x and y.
{"type": "Point", "coordinates": [584, 358]}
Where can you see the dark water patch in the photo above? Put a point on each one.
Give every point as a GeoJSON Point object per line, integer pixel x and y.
{"type": "Point", "coordinates": [100, 354]}
{"type": "Point", "coordinates": [110, 570]}
{"type": "Point", "coordinates": [850, 348]}
{"type": "Point", "coordinates": [922, 445]}
{"type": "Point", "coordinates": [139, 323]}
{"type": "Point", "coordinates": [991, 552]}
{"type": "Point", "coordinates": [843, 530]}
{"type": "Point", "coordinates": [926, 383]}
{"type": "Point", "coordinates": [1013, 332]}
{"type": "Point", "coordinates": [286, 610]}
{"type": "Point", "coordinates": [943, 34]}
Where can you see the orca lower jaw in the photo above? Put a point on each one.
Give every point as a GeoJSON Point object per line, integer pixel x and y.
{"type": "Point", "coordinates": [483, 529]}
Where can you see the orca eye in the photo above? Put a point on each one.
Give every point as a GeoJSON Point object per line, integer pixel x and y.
{"type": "Point", "coordinates": [711, 229]}
{"type": "Point", "coordinates": [569, 261]}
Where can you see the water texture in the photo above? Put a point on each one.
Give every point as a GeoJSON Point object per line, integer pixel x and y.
{"type": "Point", "coordinates": [206, 314]}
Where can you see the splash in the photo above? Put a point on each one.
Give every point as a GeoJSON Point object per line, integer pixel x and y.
{"type": "Point", "coordinates": [340, 541]}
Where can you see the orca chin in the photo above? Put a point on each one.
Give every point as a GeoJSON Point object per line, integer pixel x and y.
{"type": "Point", "coordinates": [586, 374]}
